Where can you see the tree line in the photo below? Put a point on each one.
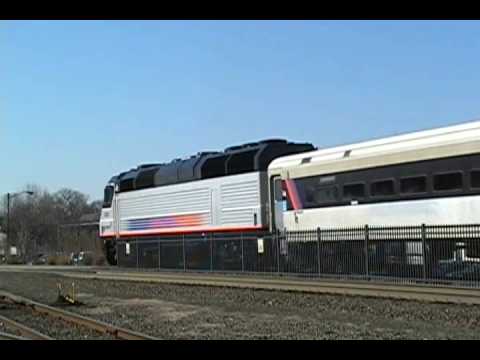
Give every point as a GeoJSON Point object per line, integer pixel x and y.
{"type": "Point", "coordinates": [44, 223]}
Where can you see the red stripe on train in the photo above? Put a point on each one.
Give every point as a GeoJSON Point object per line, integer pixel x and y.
{"type": "Point", "coordinates": [293, 194]}
{"type": "Point", "coordinates": [186, 231]}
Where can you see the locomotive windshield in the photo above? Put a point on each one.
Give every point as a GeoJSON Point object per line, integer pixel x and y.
{"type": "Point", "coordinates": [108, 197]}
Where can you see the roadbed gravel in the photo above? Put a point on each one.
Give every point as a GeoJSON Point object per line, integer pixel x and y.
{"type": "Point", "coordinates": [169, 311]}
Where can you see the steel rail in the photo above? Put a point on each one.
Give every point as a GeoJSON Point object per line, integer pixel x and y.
{"type": "Point", "coordinates": [27, 333]}
{"type": "Point", "coordinates": [5, 336]}
{"type": "Point", "coordinates": [359, 288]}
{"type": "Point", "coordinates": [116, 331]}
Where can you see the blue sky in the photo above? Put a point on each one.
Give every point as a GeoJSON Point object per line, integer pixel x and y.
{"type": "Point", "coordinates": [83, 100]}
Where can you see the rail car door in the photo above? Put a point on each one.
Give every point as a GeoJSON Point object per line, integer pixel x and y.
{"type": "Point", "coordinates": [279, 202]}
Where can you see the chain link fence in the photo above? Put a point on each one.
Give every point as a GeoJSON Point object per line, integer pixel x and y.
{"type": "Point", "coordinates": [81, 242]}
{"type": "Point", "coordinates": [440, 254]}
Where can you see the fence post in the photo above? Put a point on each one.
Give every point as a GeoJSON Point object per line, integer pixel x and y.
{"type": "Point", "coordinates": [211, 252]}
{"type": "Point", "coordinates": [367, 235]}
{"type": "Point", "coordinates": [136, 252]}
{"type": "Point", "coordinates": [278, 250]}
{"type": "Point", "coordinates": [319, 237]}
{"type": "Point", "coordinates": [184, 255]}
{"type": "Point", "coordinates": [159, 255]}
{"type": "Point", "coordinates": [241, 240]}
{"type": "Point", "coordinates": [424, 252]}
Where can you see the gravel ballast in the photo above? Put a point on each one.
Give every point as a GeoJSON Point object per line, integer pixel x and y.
{"type": "Point", "coordinates": [48, 325]}
{"type": "Point", "coordinates": [171, 311]}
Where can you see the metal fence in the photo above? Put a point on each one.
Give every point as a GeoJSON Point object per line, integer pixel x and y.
{"type": "Point", "coordinates": [446, 254]}
{"type": "Point", "coordinates": [78, 237]}
{"type": "Point", "coordinates": [54, 240]}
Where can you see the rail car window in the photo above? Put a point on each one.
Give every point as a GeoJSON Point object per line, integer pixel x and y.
{"type": "Point", "coordinates": [382, 188]}
{"type": "Point", "coordinates": [475, 179]}
{"type": "Point", "coordinates": [413, 185]}
{"type": "Point", "coordinates": [314, 195]}
{"type": "Point", "coordinates": [320, 195]}
{"type": "Point", "coordinates": [447, 181]}
{"type": "Point", "coordinates": [354, 191]}
{"type": "Point", "coordinates": [445, 177]}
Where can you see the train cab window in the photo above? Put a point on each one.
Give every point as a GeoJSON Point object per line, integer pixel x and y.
{"type": "Point", "coordinates": [475, 179]}
{"type": "Point", "coordinates": [413, 185]}
{"type": "Point", "coordinates": [447, 181]}
{"type": "Point", "coordinates": [353, 191]}
{"type": "Point", "coordinates": [108, 197]}
{"type": "Point", "coordinates": [382, 188]}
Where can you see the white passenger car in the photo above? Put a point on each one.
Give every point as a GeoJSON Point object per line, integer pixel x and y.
{"type": "Point", "coordinates": [430, 177]}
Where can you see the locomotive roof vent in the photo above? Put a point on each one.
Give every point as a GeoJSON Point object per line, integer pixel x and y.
{"type": "Point", "coordinates": [144, 166]}
{"type": "Point", "coordinates": [127, 180]}
{"type": "Point", "coordinates": [273, 141]}
{"type": "Point", "coordinates": [233, 148]}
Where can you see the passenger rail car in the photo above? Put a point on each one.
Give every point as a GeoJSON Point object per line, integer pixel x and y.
{"type": "Point", "coordinates": [428, 177]}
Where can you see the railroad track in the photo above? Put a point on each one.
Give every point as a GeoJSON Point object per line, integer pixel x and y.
{"type": "Point", "coordinates": [421, 292]}
{"type": "Point", "coordinates": [5, 336]}
{"type": "Point", "coordinates": [67, 316]}
{"type": "Point", "coordinates": [343, 287]}
{"type": "Point", "coordinates": [26, 332]}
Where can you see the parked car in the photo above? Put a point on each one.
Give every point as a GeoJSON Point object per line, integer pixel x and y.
{"type": "Point", "coordinates": [40, 259]}
{"type": "Point", "coordinates": [458, 270]}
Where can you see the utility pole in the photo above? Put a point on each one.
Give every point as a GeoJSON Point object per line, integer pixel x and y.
{"type": "Point", "coordinates": [9, 197]}
{"type": "Point", "coordinates": [8, 223]}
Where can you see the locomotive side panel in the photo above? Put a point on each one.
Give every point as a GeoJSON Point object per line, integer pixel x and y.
{"type": "Point", "coordinates": [217, 204]}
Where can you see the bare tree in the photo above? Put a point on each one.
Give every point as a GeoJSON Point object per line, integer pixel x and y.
{"type": "Point", "coordinates": [71, 204]}
{"type": "Point", "coordinates": [35, 220]}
